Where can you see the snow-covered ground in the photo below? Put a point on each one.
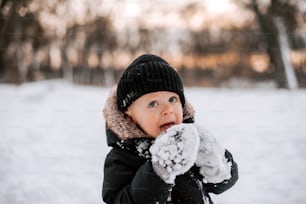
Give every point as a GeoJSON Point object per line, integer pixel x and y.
{"type": "Point", "coordinates": [52, 142]}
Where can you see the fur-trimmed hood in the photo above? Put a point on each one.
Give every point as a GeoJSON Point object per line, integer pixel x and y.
{"type": "Point", "coordinates": [125, 128]}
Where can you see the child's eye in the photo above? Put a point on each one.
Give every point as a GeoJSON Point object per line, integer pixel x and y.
{"type": "Point", "coordinates": [173, 99]}
{"type": "Point", "coordinates": [153, 104]}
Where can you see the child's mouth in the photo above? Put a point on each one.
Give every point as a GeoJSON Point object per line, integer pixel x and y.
{"type": "Point", "coordinates": [165, 126]}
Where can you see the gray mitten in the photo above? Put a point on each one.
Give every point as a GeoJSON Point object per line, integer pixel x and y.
{"type": "Point", "coordinates": [175, 151]}
{"type": "Point", "coordinates": [211, 159]}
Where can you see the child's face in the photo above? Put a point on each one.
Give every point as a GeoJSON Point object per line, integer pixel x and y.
{"type": "Point", "coordinates": [156, 112]}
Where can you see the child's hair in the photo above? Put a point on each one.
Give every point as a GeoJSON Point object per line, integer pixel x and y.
{"type": "Point", "coordinates": [147, 73]}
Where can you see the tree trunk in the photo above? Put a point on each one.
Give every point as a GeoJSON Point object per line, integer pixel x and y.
{"type": "Point", "coordinates": [66, 67]}
{"type": "Point", "coordinates": [285, 53]}
{"type": "Point", "coordinates": [278, 53]}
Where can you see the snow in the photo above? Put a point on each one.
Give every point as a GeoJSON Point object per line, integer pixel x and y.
{"type": "Point", "coordinates": [52, 142]}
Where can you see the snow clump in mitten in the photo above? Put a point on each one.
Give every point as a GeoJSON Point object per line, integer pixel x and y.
{"type": "Point", "coordinates": [175, 151]}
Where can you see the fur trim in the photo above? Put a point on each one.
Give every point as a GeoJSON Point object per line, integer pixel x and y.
{"type": "Point", "coordinates": [123, 126]}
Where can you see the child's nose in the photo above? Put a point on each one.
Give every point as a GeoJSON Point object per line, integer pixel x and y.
{"type": "Point", "coordinates": [167, 109]}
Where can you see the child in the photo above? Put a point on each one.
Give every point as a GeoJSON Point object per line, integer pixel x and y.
{"type": "Point", "coordinates": [158, 154]}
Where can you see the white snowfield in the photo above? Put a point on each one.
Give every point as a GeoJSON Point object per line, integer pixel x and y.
{"type": "Point", "coordinates": [52, 142]}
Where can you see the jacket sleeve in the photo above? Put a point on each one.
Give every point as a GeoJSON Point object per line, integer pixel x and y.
{"type": "Point", "coordinates": [218, 188]}
{"type": "Point", "coordinates": [130, 179]}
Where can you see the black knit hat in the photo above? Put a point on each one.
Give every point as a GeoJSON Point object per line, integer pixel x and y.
{"type": "Point", "coordinates": [147, 73]}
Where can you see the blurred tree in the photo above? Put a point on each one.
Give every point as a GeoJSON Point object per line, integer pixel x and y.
{"type": "Point", "coordinates": [102, 38]}
{"type": "Point", "coordinates": [19, 31]}
{"type": "Point", "coordinates": [145, 41]}
{"type": "Point", "coordinates": [27, 27]}
{"type": "Point", "coordinates": [100, 35]}
{"type": "Point", "coordinates": [271, 18]}
{"type": "Point", "coordinates": [95, 37]}
{"type": "Point", "coordinates": [198, 40]}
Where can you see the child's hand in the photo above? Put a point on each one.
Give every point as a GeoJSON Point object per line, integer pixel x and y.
{"type": "Point", "coordinates": [211, 159]}
{"type": "Point", "coordinates": [175, 151]}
